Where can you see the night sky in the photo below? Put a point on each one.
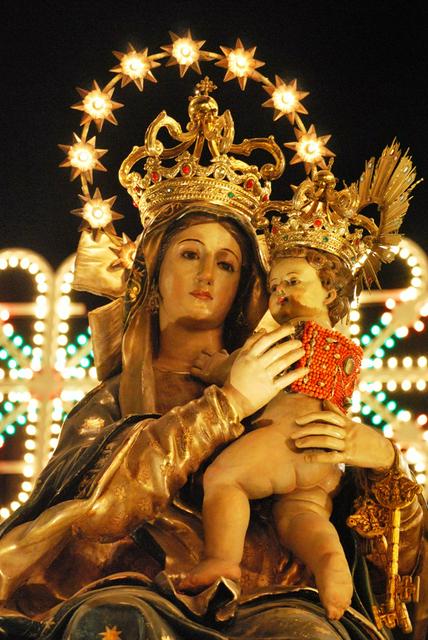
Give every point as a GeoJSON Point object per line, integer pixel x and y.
{"type": "Point", "coordinates": [364, 64]}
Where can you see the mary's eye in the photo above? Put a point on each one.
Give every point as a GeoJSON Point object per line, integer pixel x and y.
{"type": "Point", "coordinates": [273, 288]}
{"type": "Point", "coordinates": [190, 255]}
{"type": "Point", "coordinates": [226, 266]}
{"type": "Point", "coordinates": [293, 281]}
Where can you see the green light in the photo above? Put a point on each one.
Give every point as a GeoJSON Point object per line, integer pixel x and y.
{"type": "Point", "coordinates": [85, 362]}
{"type": "Point", "coordinates": [10, 429]}
{"type": "Point", "coordinates": [366, 410]}
{"type": "Point", "coordinates": [3, 354]}
{"type": "Point", "coordinates": [89, 332]}
{"type": "Point", "coordinates": [392, 405]}
{"type": "Point", "coordinates": [379, 353]}
{"type": "Point", "coordinates": [375, 330]}
{"type": "Point", "coordinates": [82, 339]}
{"type": "Point", "coordinates": [12, 364]}
{"type": "Point", "coordinates": [376, 419]}
{"type": "Point", "coordinates": [1, 440]}
{"type": "Point", "coordinates": [27, 350]}
{"type": "Point", "coordinates": [365, 339]}
{"type": "Point", "coordinates": [8, 406]}
{"type": "Point", "coordinates": [71, 349]}
{"type": "Point", "coordinates": [21, 420]}
{"type": "Point", "coordinates": [381, 396]}
{"type": "Point", "coordinates": [18, 340]}
{"type": "Point", "coordinates": [389, 343]}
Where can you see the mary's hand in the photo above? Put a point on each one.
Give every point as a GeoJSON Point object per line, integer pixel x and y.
{"type": "Point", "coordinates": [260, 370]}
{"type": "Point", "coordinates": [349, 442]}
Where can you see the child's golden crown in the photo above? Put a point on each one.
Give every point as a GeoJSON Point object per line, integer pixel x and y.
{"type": "Point", "coordinates": [321, 217]}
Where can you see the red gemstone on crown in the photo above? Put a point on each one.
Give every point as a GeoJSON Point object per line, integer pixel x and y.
{"type": "Point", "coordinates": [265, 197]}
{"type": "Point", "coordinates": [155, 176]}
{"type": "Point", "coordinates": [317, 222]}
{"type": "Point", "coordinates": [249, 183]}
{"type": "Point", "coordinates": [185, 169]}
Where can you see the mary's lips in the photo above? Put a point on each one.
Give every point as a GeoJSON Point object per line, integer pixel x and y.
{"type": "Point", "coordinates": [202, 295]}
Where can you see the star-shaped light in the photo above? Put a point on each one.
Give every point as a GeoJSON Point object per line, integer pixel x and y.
{"type": "Point", "coordinates": [97, 105]}
{"type": "Point", "coordinates": [239, 62]}
{"type": "Point", "coordinates": [96, 213]}
{"type": "Point", "coordinates": [125, 253]}
{"type": "Point", "coordinates": [285, 99]}
{"type": "Point", "coordinates": [135, 66]}
{"type": "Point", "coordinates": [185, 52]}
{"type": "Point", "coordinates": [309, 148]}
{"type": "Point", "coordinates": [82, 157]}
{"type": "Point", "coordinates": [111, 633]}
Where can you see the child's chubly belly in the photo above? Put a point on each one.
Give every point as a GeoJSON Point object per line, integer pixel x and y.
{"type": "Point", "coordinates": [280, 415]}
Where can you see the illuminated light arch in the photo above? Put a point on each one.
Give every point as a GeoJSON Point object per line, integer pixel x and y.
{"type": "Point", "coordinates": [382, 373]}
{"type": "Point", "coordinates": [42, 373]}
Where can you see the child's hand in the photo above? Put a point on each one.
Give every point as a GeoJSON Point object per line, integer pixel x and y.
{"type": "Point", "coordinates": [212, 368]}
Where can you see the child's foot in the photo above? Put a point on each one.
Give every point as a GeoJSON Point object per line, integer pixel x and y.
{"type": "Point", "coordinates": [334, 584]}
{"type": "Point", "coordinates": [207, 572]}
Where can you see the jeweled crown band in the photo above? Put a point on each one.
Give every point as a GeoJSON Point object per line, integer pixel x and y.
{"type": "Point", "coordinates": [191, 189]}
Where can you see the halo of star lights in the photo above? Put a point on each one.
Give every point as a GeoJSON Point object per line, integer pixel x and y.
{"type": "Point", "coordinates": [43, 374]}
{"type": "Point", "coordinates": [186, 54]}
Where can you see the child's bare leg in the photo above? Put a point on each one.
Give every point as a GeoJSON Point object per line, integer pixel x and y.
{"type": "Point", "coordinates": [302, 520]}
{"type": "Point", "coordinates": [237, 475]}
{"type": "Point", "coordinates": [226, 514]}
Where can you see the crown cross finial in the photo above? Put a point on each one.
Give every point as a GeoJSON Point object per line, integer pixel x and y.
{"type": "Point", "coordinates": [205, 86]}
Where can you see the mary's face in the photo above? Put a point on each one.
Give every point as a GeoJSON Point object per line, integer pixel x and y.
{"type": "Point", "coordinates": [199, 277]}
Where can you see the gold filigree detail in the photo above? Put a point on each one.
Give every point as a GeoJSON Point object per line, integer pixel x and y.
{"type": "Point", "coordinates": [378, 517]}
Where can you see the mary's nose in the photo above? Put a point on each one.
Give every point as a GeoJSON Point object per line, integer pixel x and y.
{"type": "Point", "coordinates": [206, 271]}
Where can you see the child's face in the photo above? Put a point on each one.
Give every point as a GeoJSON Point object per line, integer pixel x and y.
{"type": "Point", "coordinates": [296, 291]}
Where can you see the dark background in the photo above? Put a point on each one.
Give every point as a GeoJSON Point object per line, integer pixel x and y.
{"type": "Point", "coordinates": [364, 64]}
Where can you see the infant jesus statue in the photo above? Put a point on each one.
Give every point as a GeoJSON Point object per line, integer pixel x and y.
{"type": "Point", "coordinates": [311, 289]}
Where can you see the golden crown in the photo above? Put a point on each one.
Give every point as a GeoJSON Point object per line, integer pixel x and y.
{"type": "Point", "coordinates": [224, 180]}
{"type": "Point", "coordinates": [321, 217]}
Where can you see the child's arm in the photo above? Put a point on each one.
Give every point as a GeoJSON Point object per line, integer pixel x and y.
{"type": "Point", "coordinates": [214, 368]}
